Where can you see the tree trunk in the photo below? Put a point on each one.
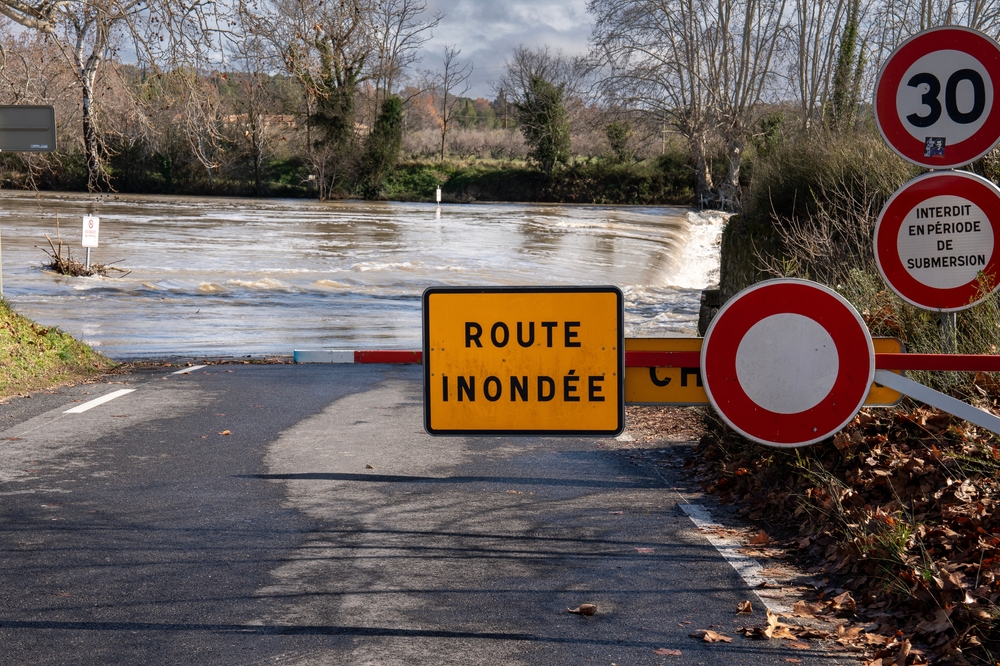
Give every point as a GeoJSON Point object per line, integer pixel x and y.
{"type": "Point", "coordinates": [703, 177]}
{"type": "Point", "coordinates": [91, 146]}
{"type": "Point", "coordinates": [731, 188]}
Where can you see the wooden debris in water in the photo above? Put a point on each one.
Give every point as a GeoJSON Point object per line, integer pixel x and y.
{"type": "Point", "coordinates": [69, 266]}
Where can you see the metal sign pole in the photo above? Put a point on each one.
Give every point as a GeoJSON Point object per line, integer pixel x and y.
{"type": "Point", "coordinates": [1, 266]}
{"type": "Point", "coordinates": [949, 332]}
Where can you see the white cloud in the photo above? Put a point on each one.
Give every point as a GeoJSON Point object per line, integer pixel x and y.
{"type": "Point", "coordinates": [487, 31]}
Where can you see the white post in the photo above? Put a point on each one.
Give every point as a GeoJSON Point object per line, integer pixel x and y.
{"type": "Point", "coordinates": [439, 195]}
{"type": "Point", "coordinates": [88, 258]}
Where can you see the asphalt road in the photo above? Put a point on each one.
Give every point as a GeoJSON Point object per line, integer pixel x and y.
{"type": "Point", "coordinates": [327, 528]}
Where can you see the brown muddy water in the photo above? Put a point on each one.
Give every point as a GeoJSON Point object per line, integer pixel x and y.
{"type": "Point", "coordinates": [238, 277]}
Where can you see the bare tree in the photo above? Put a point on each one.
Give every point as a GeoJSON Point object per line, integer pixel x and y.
{"type": "Point", "coordinates": [89, 31]}
{"type": "Point", "coordinates": [816, 22]}
{"type": "Point", "coordinates": [450, 84]}
{"type": "Point", "coordinates": [400, 31]}
{"type": "Point", "coordinates": [526, 64]}
{"type": "Point", "coordinates": [41, 16]}
{"type": "Point", "coordinates": [740, 63]}
{"type": "Point", "coordinates": [704, 66]}
{"type": "Point", "coordinates": [652, 56]}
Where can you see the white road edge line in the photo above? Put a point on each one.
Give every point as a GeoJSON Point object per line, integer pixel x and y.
{"type": "Point", "coordinates": [187, 370]}
{"type": "Point", "coordinates": [747, 567]}
{"type": "Point", "coordinates": [98, 401]}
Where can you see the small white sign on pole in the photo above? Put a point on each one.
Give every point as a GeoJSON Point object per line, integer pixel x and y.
{"type": "Point", "coordinates": [91, 229]}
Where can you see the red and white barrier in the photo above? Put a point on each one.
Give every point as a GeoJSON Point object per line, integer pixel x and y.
{"type": "Point", "coordinates": [659, 359]}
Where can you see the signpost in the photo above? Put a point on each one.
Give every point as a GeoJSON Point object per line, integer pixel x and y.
{"type": "Point", "coordinates": [935, 97]}
{"type": "Point", "coordinates": [523, 361]}
{"type": "Point", "coordinates": [26, 128]}
{"type": "Point", "coordinates": [91, 232]}
{"type": "Point", "coordinates": [787, 362]}
{"type": "Point", "coordinates": [681, 385]}
{"type": "Point", "coordinates": [935, 240]}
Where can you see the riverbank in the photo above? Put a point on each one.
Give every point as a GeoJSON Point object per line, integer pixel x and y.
{"type": "Point", "coordinates": [667, 181]}
{"type": "Point", "coordinates": [33, 357]}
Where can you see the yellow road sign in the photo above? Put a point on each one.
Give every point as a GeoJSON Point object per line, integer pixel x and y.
{"type": "Point", "coordinates": [523, 361]}
{"type": "Point", "coordinates": [682, 386]}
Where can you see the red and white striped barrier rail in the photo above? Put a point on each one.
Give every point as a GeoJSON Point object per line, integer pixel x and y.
{"type": "Point", "coordinates": [657, 359]}
{"type": "Point", "coordinates": [395, 356]}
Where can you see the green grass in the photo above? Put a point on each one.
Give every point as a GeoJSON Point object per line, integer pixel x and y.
{"type": "Point", "coordinates": [34, 356]}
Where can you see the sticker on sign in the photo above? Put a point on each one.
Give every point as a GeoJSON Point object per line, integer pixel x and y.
{"type": "Point", "coordinates": [935, 97]}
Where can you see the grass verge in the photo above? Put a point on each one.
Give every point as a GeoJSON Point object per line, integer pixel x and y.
{"type": "Point", "coordinates": [34, 356]}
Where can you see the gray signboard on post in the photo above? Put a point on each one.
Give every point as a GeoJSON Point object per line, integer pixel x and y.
{"type": "Point", "coordinates": [27, 128]}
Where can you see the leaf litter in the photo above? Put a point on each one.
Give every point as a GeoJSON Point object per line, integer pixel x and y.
{"type": "Point", "coordinates": [897, 519]}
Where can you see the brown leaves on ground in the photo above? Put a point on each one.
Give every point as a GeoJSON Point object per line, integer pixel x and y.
{"type": "Point", "coordinates": [744, 607]}
{"type": "Point", "coordinates": [899, 514]}
{"type": "Point", "coordinates": [667, 652]}
{"type": "Point", "coordinates": [710, 636]}
{"type": "Point", "coordinates": [773, 629]}
{"type": "Point", "coordinates": [583, 609]}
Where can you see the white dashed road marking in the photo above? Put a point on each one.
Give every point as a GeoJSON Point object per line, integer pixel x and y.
{"type": "Point", "coordinates": [98, 401]}
{"type": "Point", "coordinates": [188, 370]}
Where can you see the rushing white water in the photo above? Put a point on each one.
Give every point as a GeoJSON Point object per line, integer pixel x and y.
{"type": "Point", "coordinates": [231, 277]}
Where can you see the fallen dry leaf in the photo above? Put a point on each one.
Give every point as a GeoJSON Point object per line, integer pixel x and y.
{"type": "Point", "coordinates": [667, 652]}
{"type": "Point", "coordinates": [744, 607]}
{"type": "Point", "coordinates": [583, 609]}
{"type": "Point", "coordinates": [710, 636]}
{"type": "Point", "coordinates": [806, 609]}
{"type": "Point", "coordinates": [798, 645]}
{"type": "Point", "coordinates": [937, 623]}
{"type": "Point", "coordinates": [760, 539]}
{"type": "Point", "coordinates": [845, 602]}
{"type": "Point", "coordinates": [793, 660]}
{"type": "Point", "coordinates": [225, 432]}
{"type": "Point", "coordinates": [644, 551]}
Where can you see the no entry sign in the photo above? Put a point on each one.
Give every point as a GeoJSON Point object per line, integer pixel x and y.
{"type": "Point", "coordinates": [787, 362]}
{"type": "Point", "coordinates": [935, 97]}
{"type": "Point", "coordinates": [934, 240]}
{"type": "Point", "coordinates": [91, 230]}
{"type": "Point", "coordinates": [523, 361]}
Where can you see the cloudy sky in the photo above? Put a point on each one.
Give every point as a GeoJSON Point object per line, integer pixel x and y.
{"type": "Point", "coordinates": [488, 30]}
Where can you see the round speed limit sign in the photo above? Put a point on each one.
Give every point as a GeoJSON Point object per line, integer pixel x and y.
{"type": "Point", "coordinates": [935, 97]}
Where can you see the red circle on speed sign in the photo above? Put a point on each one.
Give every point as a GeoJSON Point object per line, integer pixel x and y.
{"type": "Point", "coordinates": [934, 240]}
{"type": "Point", "coordinates": [787, 362]}
{"type": "Point", "coordinates": [935, 97]}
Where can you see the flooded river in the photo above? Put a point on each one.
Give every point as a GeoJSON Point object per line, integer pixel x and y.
{"type": "Point", "coordinates": [235, 277]}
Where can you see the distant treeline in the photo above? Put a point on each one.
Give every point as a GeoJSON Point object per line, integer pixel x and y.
{"type": "Point", "coordinates": [325, 98]}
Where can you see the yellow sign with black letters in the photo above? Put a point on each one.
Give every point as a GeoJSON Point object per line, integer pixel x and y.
{"type": "Point", "coordinates": [523, 361]}
{"type": "Point", "coordinates": [682, 386]}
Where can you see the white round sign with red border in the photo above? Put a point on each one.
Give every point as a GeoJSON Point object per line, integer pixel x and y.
{"type": "Point", "coordinates": [935, 97]}
{"type": "Point", "coordinates": [787, 362]}
{"type": "Point", "coordinates": [935, 240]}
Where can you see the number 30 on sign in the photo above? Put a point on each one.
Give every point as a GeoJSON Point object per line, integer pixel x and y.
{"type": "Point", "coordinates": [935, 97]}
